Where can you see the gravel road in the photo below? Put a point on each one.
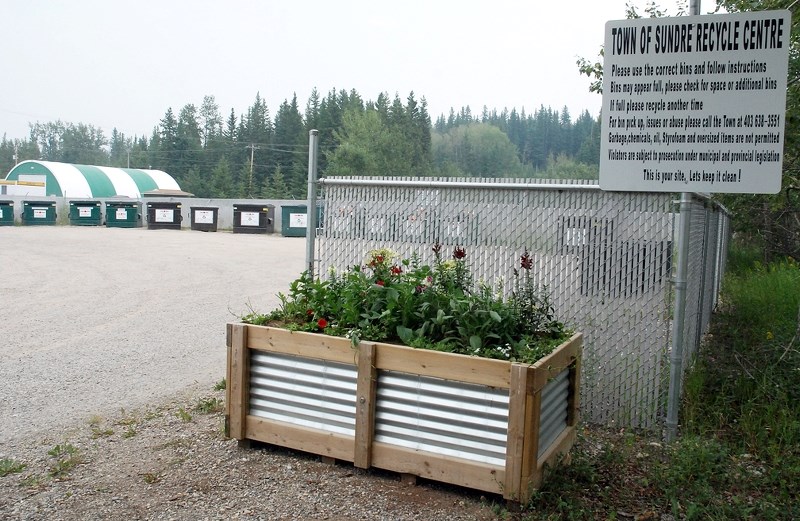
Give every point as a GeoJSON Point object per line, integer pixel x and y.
{"type": "Point", "coordinates": [96, 319]}
{"type": "Point", "coordinates": [111, 343]}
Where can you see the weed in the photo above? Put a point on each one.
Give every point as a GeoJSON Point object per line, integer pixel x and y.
{"type": "Point", "coordinates": [129, 432]}
{"type": "Point", "coordinates": [62, 450]}
{"type": "Point", "coordinates": [98, 432]}
{"type": "Point", "coordinates": [184, 416]}
{"type": "Point", "coordinates": [32, 481]}
{"type": "Point", "coordinates": [67, 458]}
{"type": "Point", "coordinates": [124, 422]}
{"type": "Point", "coordinates": [95, 420]}
{"type": "Point", "coordinates": [10, 466]}
{"type": "Point", "coordinates": [151, 478]}
{"type": "Point", "coordinates": [221, 385]}
{"type": "Point", "coordinates": [209, 405]}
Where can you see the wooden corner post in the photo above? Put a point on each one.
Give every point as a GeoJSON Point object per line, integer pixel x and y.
{"type": "Point", "coordinates": [238, 387]}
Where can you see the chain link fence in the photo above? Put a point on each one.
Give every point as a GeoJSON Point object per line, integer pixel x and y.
{"type": "Point", "coordinates": [605, 257]}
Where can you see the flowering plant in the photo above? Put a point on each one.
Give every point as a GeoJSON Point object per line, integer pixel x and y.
{"type": "Point", "coordinates": [390, 299]}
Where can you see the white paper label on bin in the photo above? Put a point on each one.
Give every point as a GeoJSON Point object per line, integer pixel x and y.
{"type": "Point", "coordinates": [84, 212]}
{"type": "Point", "coordinates": [1, 213]}
{"type": "Point", "coordinates": [204, 216]}
{"type": "Point", "coordinates": [39, 213]}
{"type": "Point", "coordinates": [164, 216]}
{"type": "Point", "coordinates": [297, 220]}
{"type": "Point", "coordinates": [122, 214]}
{"type": "Point", "coordinates": [249, 219]}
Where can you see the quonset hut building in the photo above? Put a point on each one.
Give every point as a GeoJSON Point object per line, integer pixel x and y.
{"type": "Point", "coordinates": [85, 181]}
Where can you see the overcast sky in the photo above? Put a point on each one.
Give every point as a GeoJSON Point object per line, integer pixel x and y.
{"type": "Point", "coordinates": [117, 63]}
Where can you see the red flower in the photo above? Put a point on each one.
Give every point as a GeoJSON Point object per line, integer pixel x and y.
{"type": "Point", "coordinates": [397, 270]}
{"type": "Point", "coordinates": [309, 312]}
{"type": "Point", "coordinates": [459, 253]}
{"type": "Point", "coordinates": [379, 283]}
{"type": "Point", "coordinates": [322, 323]}
{"type": "Point", "coordinates": [525, 261]}
{"type": "Point", "coordinates": [379, 258]}
{"type": "Point", "coordinates": [437, 248]}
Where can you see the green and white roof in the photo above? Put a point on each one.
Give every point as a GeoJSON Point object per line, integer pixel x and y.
{"type": "Point", "coordinates": [74, 181]}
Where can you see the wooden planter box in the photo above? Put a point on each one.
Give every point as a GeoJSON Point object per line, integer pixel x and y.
{"type": "Point", "coordinates": [485, 424]}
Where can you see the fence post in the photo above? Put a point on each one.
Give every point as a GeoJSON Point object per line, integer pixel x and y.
{"type": "Point", "coordinates": [679, 316]}
{"type": "Point", "coordinates": [311, 207]}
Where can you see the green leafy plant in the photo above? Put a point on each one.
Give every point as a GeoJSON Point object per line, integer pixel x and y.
{"type": "Point", "coordinates": [67, 457]}
{"type": "Point", "coordinates": [209, 405]}
{"type": "Point", "coordinates": [436, 306]}
{"type": "Point", "coordinates": [221, 385]}
{"type": "Point", "coordinates": [10, 466]}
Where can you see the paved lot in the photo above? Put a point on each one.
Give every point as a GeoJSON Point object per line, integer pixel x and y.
{"type": "Point", "coordinates": [95, 319]}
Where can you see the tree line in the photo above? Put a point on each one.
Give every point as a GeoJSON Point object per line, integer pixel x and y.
{"type": "Point", "coordinates": [260, 154]}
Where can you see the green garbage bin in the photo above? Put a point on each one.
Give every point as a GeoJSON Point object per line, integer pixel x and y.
{"type": "Point", "coordinates": [38, 212]}
{"type": "Point", "coordinates": [294, 220]}
{"type": "Point", "coordinates": [85, 213]}
{"type": "Point", "coordinates": [123, 214]}
{"type": "Point", "coordinates": [6, 213]}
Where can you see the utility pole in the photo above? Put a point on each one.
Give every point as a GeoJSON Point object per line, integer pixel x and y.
{"type": "Point", "coordinates": [253, 149]}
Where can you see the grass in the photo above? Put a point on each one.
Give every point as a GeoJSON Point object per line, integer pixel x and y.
{"type": "Point", "coordinates": [738, 454]}
{"type": "Point", "coordinates": [183, 415]}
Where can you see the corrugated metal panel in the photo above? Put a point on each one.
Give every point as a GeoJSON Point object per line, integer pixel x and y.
{"type": "Point", "coordinates": [450, 418]}
{"type": "Point", "coordinates": [307, 392]}
{"type": "Point", "coordinates": [555, 409]}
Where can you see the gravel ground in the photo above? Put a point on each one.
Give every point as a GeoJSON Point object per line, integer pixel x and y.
{"type": "Point", "coordinates": [112, 341]}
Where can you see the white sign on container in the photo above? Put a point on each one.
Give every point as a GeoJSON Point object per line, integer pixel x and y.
{"type": "Point", "coordinates": [249, 219]}
{"type": "Point", "coordinates": [39, 213]}
{"type": "Point", "coordinates": [84, 211]}
{"type": "Point", "coordinates": [122, 214]}
{"type": "Point", "coordinates": [204, 216]}
{"type": "Point", "coordinates": [164, 215]}
{"type": "Point", "coordinates": [298, 220]}
{"type": "Point", "coordinates": [695, 103]}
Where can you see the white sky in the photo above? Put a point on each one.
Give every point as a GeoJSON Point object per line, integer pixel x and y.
{"type": "Point", "coordinates": [119, 63]}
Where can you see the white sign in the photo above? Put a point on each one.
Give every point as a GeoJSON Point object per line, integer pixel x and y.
{"type": "Point", "coordinates": [122, 214]}
{"type": "Point", "coordinates": [695, 103]}
{"type": "Point", "coordinates": [39, 213]}
{"type": "Point", "coordinates": [298, 220]}
{"type": "Point", "coordinates": [164, 215]}
{"type": "Point", "coordinates": [84, 211]}
{"type": "Point", "coordinates": [204, 216]}
{"type": "Point", "coordinates": [249, 218]}
{"type": "Point", "coordinates": [1, 213]}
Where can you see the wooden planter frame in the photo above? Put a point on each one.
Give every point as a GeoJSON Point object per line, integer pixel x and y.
{"type": "Point", "coordinates": [524, 462]}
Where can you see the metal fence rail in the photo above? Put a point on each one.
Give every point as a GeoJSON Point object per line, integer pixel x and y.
{"type": "Point", "coordinates": [606, 258]}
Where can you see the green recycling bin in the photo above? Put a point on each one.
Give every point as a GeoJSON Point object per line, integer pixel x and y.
{"type": "Point", "coordinates": [123, 214]}
{"type": "Point", "coordinates": [6, 213]}
{"type": "Point", "coordinates": [85, 213]}
{"type": "Point", "coordinates": [294, 220]}
{"type": "Point", "coordinates": [39, 213]}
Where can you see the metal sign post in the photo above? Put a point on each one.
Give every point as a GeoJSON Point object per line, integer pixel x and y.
{"type": "Point", "coordinates": [311, 207]}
